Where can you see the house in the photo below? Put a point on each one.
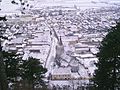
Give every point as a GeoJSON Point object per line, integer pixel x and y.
{"type": "Point", "coordinates": [61, 73]}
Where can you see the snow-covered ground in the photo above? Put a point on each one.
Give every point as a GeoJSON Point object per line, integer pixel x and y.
{"type": "Point", "coordinates": [80, 32]}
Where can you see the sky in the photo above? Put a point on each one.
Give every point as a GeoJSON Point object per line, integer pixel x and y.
{"type": "Point", "coordinates": [7, 7]}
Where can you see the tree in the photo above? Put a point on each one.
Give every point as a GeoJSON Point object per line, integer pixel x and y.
{"type": "Point", "coordinates": [30, 71]}
{"type": "Point", "coordinates": [12, 62]}
{"type": "Point", "coordinates": [33, 72]}
{"type": "Point", "coordinates": [107, 74]}
{"type": "Point", "coordinates": [3, 77]}
{"type": "Point", "coordinates": [23, 4]}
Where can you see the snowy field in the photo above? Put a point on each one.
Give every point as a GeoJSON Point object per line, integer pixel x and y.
{"type": "Point", "coordinates": [7, 7]}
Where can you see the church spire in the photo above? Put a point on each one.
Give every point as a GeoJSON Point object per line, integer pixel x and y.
{"type": "Point", "coordinates": [60, 41]}
{"type": "Point", "coordinates": [59, 48]}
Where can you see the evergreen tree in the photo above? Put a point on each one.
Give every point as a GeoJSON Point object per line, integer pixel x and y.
{"type": "Point", "coordinates": [13, 64]}
{"type": "Point", "coordinates": [3, 77]}
{"type": "Point", "coordinates": [107, 75]}
{"type": "Point", "coordinates": [30, 71]}
{"type": "Point", "coordinates": [33, 72]}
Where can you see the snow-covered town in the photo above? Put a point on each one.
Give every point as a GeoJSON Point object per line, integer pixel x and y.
{"type": "Point", "coordinates": [64, 39]}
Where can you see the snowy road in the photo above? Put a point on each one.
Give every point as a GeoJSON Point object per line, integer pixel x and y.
{"type": "Point", "coordinates": [52, 52]}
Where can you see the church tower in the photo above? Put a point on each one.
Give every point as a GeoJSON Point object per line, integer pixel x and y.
{"type": "Point", "coordinates": [59, 48]}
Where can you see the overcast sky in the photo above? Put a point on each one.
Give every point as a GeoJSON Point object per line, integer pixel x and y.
{"type": "Point", "coordinates": [6, 5]}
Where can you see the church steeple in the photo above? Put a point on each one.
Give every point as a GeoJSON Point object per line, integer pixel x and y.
{"type": "Point", "coordinates": [60, 41]}
{"type": "Point", "coordinates": [59, 48]}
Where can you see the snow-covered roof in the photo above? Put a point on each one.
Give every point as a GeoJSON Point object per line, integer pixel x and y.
{"type": "Point", "coordinates": [80, 45]}
{"type": "Point", "coordinates": [82, 71]}
{"type": "Point", "coordinates": [94, 50]}
{"type": "Point", "coordinates": [64, 64]}
{"type": "Point", "coordinates": [17, 41]}
{"type": "Point", "coordinates": [86, 55]}
{"type": "Point", "coordinates": [75, 75]}
{"type": "Point", "coordinates": [83, 49]}
{"type": "Point", "coordinates": [61, 71]}
{"type": "Point", "coordinates": [65, 57]}
{"type": "Point", "coordinates": [74, 62]}
{"type": "Point", "coordinates": [70, 38]}
{"type": "Point", "coordinates": [60, 82]}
